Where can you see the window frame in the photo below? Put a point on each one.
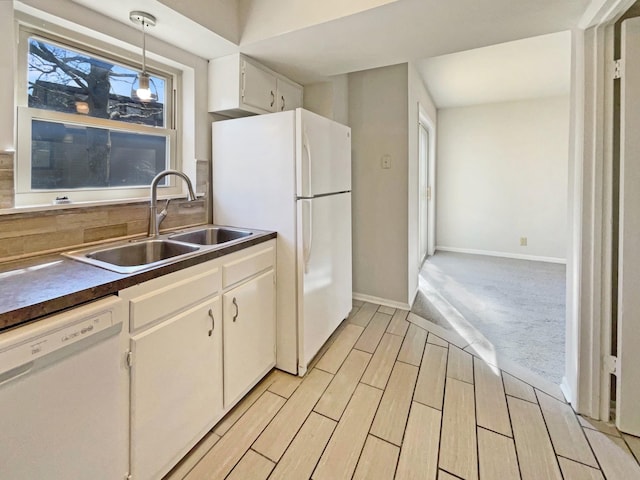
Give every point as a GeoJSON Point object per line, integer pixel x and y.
{"type": "Point", "coordinates": [24, 195]}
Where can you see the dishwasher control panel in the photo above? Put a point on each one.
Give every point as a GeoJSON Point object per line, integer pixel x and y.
{"type": "Point", "coordinates": [28, 343]}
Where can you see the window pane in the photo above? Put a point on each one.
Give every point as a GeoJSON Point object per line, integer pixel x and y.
{"type": "Point", "coordinates": [68, 81]}
{"type": "Point", "coordinates": [66, 156]}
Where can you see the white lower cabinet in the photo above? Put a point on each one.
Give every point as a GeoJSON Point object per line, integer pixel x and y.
{"type": "Point", "coordinates": [249, 319]}
{"type": "Point", "coordinates": [176, 387]}
{"type": "Point", "coordinates": [198, 340]}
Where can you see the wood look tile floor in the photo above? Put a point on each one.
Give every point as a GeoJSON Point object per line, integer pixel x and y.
{"type": "Point", "coordinates": [393, 396]}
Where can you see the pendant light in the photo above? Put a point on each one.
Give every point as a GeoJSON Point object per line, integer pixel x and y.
{"type": "Point", "coordinates": [143, 92]}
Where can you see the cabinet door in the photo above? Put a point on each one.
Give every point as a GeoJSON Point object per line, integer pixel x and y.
{"type": "Point", "coordinates": [176, 387]}
{"type": "Point", "coordinates": [258, 88]}
{"type": "Point", "coordinates": [249, 334]}
{"type": "Point", "coordinates": [289, 95]}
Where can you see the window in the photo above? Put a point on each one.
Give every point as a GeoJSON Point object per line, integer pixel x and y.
{"type": "Point", "coordinates": [82, 130]}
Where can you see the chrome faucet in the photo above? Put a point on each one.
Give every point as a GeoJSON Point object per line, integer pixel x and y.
{"type": "Point", "coordinates": [155, 218]}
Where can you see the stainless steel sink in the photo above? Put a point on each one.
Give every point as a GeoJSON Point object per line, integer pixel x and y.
{"type": "Point", "coordinates": [142, 253]}
{"type": "Point", "coordinates": [133, 257]}
{"type": "Point", "coordinates": [211, 235]}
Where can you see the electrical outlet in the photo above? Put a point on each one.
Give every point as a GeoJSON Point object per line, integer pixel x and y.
{"type": "Point", "coordinates": [386, 161]}
{"type": "Point", "coordinates": [523, 241]}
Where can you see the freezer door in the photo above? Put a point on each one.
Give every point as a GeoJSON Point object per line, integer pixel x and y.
{"type": "Point", "coordinates": [324, 271]}
{"type": "Point", "coordinates": [323, 155]}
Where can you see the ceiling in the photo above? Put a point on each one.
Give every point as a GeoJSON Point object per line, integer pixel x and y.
{"type": "Point", "coordinates": [523, 69]}
{"type": "Point", "coordinates": [313, 40]}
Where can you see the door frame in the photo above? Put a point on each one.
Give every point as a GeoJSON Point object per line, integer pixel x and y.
{"type": "Point", "coordinates": [428, 124]}
{"type": "Point", "coordinates": [423, 192]}
{"type": "Point", "coordinates": [586, 382]}
{"type": "Point", "coordinates": [627, 338]}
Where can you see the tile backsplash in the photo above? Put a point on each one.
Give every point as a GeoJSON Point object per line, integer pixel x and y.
{"type": "Point", "coordinates": [6, 180]}
{"type": "Point", "coordinates": [33, 233]}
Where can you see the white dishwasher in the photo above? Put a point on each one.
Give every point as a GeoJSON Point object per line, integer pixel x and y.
{"type": "Point", "coordinates": [62, 406]}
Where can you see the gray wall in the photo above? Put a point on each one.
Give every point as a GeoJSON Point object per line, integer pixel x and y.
{"type": "Point", "coordinates": [378, 113]}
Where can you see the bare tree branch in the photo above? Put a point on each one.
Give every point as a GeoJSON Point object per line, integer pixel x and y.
{"type": "Point", "coordinates": [78, 76]}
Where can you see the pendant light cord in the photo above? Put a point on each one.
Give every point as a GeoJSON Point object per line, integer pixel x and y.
{"type": "Point", "coordinates": [145, 20]}
{"type": "Point", "coordinates": [144, 48]}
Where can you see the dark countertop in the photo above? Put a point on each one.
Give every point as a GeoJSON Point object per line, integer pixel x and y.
{"type": "Point", "coordinates": [39, 286]}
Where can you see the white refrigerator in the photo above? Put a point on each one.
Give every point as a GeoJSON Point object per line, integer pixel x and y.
{"type": "Point", "coordinates": [291, 172]}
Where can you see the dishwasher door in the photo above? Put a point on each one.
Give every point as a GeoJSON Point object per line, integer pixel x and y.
{"type": "Point", "coordinates": [62, 406]}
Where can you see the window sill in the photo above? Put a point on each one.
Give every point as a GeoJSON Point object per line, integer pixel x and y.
{"type": "Point", "coordinates": [66, 206]}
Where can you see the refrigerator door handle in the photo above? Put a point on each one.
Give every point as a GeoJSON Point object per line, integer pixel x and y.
{"type": "Point", "coordinates": [307, 147]}
{"type": "Point", "coordinates": [307, 242]}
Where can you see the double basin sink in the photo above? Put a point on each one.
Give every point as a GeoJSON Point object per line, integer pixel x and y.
{"type": "Point", "coordinates": [140, 255]}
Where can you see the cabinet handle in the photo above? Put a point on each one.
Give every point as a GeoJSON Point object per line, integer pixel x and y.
{"type": "Point", "coordinates": [282, 108]}
{"type": "Point", "coordinates": [273, 98]}
{"type": "Point", "coordinates": [213, 322]}
{"type": "Point", "coordinates": [235, 317]}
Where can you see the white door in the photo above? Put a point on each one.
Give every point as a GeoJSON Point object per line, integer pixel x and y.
{"type": "Point", "coordinates": [289, 95]}
{"type": "Point", "coordinates": [249, 334]}
{"type": "Point", "coordinates": [176, 387]}
{"type": "Point", "coordinates": [423, 191]}
{"type": "Point", "coordinates": [323, 155]}
{"type": "Point", "coordinates": [628, 371]}
{"type": "Point", "coordinates": [258, 88]}
{"type": "Point", "coordinates": [324, 270]}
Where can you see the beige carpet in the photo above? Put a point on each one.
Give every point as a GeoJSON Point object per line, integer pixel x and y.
{"type": "Point", "coordinates": [516, 306]}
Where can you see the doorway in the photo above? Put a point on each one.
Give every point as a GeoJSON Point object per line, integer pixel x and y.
{"type": "Point", "coordinates": [625, 334]}
{"type": "Point", "coordinates": [595, 356]}
{"type": "Point", "coordinates": [502, 194]}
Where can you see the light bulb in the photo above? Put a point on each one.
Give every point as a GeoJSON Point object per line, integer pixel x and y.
{"type": "Point", "coordinates": [82, 107]}
{"type": "Point", "coordinates": [143, 91]}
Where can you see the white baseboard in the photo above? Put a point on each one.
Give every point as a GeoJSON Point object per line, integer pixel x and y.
{"type": "Point", "coordinates": [566, 389]}
{"type": "Point", "coordinates": [415, 294]}
{"type": "Point", "coordinates": [518, 256]}
{"type": "Point", "coordinates": [381, 301]}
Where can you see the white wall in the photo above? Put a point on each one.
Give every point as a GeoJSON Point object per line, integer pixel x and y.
{"type": "Point", "coordinates": [502, 175]}
{"type": "Point", "coordinates": [378, 113]}
{"type": "Point", "coordinates": [6, 73]}
{"type": "Point", "coordinates": [329, 99]}
{"type": "Point", "coordinates": [318, 98]}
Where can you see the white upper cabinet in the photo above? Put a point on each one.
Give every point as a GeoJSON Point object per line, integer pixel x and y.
{"type": "Point", "coordinates": [258, 89]}
{"type": "Point", "coordinates": [240, 86]}
{"type": "Point", "coordinates": [289, 95]}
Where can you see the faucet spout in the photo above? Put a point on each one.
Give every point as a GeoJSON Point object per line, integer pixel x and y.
{"type": "Point", "coordinates": [155, 218]}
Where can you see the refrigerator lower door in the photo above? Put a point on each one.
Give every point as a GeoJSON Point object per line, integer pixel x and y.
{"type": "Point", "coordinates": [324, 271]}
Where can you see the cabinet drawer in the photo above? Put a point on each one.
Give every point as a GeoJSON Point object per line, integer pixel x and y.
{"type": "Point", "coordinates": [172, 297]}
{"type": "Point", "coordinates": [238, 270]}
